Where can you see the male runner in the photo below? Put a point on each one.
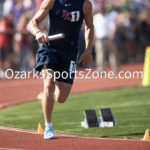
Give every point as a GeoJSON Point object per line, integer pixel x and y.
{"type": "Point", "coordinates": [65, 16]}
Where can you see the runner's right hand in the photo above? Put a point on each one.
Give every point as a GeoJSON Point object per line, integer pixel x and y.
{"type": "Point", "coordinates": [41, 37]}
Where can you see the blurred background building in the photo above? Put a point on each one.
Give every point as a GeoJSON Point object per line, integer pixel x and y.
{"type": "Point", "coordinates": [131, 32]}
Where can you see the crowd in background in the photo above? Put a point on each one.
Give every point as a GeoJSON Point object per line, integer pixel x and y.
{"type": "Point", "coordinates": [132, 26]}
{"type": "Point", "coordinates": [130, 20]}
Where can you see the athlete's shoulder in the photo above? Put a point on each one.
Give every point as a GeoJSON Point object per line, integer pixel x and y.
{"type": "Point", "coordinates": [88, 5]}
{"type": "Point", "coordinates": [47, 4]}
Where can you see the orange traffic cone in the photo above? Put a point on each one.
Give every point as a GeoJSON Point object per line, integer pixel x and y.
{"type": "Point", "coordinates": [146, 136]}
{"type": "Point", "coordinates": [40, 130]}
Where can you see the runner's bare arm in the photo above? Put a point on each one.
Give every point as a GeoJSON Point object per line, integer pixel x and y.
{"type": "Point", "coordinates": [46, 6]}
{"type": "Point", "coordinates": [89, 33]}
{"type": "Point", "coordinates": [89, 27]}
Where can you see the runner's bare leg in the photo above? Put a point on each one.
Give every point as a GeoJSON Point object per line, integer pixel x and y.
{"type": "Point", "coordinates": [48, 96]}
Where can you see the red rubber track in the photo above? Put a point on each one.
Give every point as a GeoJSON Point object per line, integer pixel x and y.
{"type": "Point", "coordinates": [31, 141]}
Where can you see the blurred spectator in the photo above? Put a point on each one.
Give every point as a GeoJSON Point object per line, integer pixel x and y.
{"type": "Point", "coordinates": [144, 28]}
{"type": "Point", "coordinates": [7, 7]}
{"type": "Point", "coordinates": [23, 44]}
{"type": "Point", "coordinates": [27, 4]}
{"type": "Point", "coordinates": [18, 10]}
{"type": "Point", "coordinates": [6, 39]}
{"type": "Point", "coordinates": [29, 7]}
{"type": "Point", "coordinates": [105, 31]}
{"type": "Point", "coordinates": [126, 37]}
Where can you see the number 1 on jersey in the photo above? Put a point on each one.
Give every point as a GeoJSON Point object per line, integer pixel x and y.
{"type": "Point", "coordinates": [75, 16]}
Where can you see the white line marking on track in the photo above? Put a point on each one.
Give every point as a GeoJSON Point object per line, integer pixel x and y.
{"type": "Point", "coordinates": [9, 149]}
{"type": "Point", "coordinates": [18, 130]}
{"type": "Point", "coordinates": [66, 135]}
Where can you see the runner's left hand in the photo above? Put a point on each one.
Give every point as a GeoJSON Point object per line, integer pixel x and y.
{"type": "Point", "coordinates": [86, 57]}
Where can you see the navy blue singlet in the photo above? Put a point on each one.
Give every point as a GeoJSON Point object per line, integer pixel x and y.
{"type": "Point", "coordinates": [66, 17]}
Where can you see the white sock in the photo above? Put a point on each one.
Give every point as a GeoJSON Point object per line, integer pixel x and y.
{"type": "Point", "coordinates": [48, 124]}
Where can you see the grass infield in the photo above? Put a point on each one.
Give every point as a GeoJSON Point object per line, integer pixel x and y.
{"type": "Point", "coordinates": [131, 108]}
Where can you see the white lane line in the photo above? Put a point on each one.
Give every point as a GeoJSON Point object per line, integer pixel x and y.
{"type": "Point", "coordinates": [66, 135]}
{"type": "Point", "coordinates": [18, 130]}
{"type": "Point", "coordinates": [31, 131]}
{"type": "Point", "coordinates": [9, 149]}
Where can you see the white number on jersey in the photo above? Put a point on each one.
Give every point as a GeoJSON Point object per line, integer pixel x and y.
{"type": "Point", "coordinates": [75, 16]}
